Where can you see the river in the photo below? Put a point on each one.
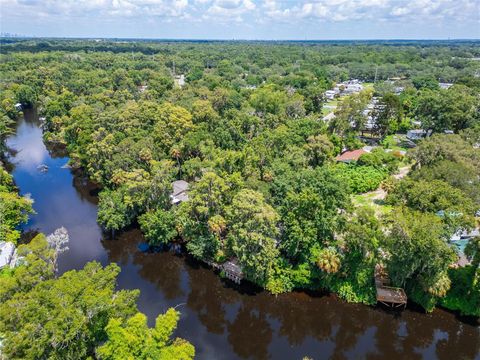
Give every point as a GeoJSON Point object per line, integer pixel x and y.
{"type": "Point", "coordinates": [224, 321]}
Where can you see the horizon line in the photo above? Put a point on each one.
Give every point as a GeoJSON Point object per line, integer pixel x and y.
{"type": "Point", "coordinates": [6, 35]}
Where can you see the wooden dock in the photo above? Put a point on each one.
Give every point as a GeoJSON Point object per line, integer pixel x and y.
{"type": "Point", "coordinates": [392, 297]}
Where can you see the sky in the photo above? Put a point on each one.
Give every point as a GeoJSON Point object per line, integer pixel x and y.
{"type": "Point", "coordinates": [243, 19]}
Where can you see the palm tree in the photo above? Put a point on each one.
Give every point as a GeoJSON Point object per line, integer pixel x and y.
{"type": "Point", "coordinates": [329, 261]}
{"type": "Point", "coordinates": [176, 154]}
{"type": "Point", "coordinates": [441, 286]}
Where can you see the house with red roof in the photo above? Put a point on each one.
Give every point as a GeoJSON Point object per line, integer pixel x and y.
{"type": "Point", "coordinates": [350, 156]}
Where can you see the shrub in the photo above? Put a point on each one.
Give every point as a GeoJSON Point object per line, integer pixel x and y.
{"type": "Point", "coordinates": [362, 179]}
{"type": "Point", "coordinates": [464, 293]}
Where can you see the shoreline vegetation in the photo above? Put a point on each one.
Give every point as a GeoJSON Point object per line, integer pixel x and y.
{"type": "Point", "coordinates": [265, 190]}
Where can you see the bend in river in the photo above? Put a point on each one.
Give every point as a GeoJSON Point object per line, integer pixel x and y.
{"type": "Point", "coordinates": [221, 320]}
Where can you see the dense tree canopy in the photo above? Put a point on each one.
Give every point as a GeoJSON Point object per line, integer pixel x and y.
{"type": "Point", "coordinates": [42, 316]}
{"type": "Point", "coordinates": [247, 132]}
{"type": "Point", "coordinates": [454, 109]}
{"type": "Point", "coordinates": [14, 209]}
{"type": "Point", "coordinates": [135, 340]}
{"type": "Point", "coordinates": [419, 256]}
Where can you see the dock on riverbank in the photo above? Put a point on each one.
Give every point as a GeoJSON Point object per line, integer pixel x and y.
{"type": "Point", "coordinates": [393, 297]}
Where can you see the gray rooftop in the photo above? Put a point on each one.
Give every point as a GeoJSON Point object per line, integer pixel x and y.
{"type": "Point", "coordinates": [233, 268]}
{"type": "Point", "coordinates": [6, 253]}
{"type": "Point", "coordinates": [179, 193]}
{"type": "Point", "coordinates": [179, 186]}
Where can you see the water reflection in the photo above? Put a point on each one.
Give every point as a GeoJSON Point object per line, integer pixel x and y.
{"type": "Point", "coordinates": [30, 152]}
{"type": "Point", "coordinates": [222, 320]}
{"type": "Point", "coordinates": [56, 202]}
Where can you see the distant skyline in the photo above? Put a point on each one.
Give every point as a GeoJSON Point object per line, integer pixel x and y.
{"type": "Point", "coordinates": [244, 19]}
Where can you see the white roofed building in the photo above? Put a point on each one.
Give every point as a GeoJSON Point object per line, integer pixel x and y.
{"type": "Point", "coordinates": [7, 250]}
{"type": "Point", "coordinates": [445, 86]}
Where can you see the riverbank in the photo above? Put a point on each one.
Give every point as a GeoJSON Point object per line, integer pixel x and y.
{"type": "Point", "coordinates": [221, 319]}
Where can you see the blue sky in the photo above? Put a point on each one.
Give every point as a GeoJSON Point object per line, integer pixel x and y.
{"type": "Point", "coordinates": [243, 19]}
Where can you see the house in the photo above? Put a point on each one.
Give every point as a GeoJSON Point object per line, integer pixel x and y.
{"type": "Point", "coordinates": [416, 134]}
{"type": "Point", "coordinates": [179, 194]}
{"type": "Point", "coordinates": [465, 235]}
{"type": "Point", "coordinates": [352, 88]}
{"type": "Point", "coordinates": [370, 123]}
{"type": "Point", "coordinates": [459, 241]}
{"type": "Point", "coordinates": [233, 271]}
{"type": "Point", "coordinates": [445, 86]}
{"type": "Point", "coordinates": [180, 80]}
{"type": "Point", "coordinates": [350, 156]}
{"type": "Point", "coordinates": [7, 251]}
{"type": "Point", "coordinates": [330, 94]}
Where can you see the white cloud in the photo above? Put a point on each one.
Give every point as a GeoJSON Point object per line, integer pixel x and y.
{"type": "Point", "coordinates": [98, 8]}
{"type": "Point", "coordinates": [229, 9]}
{"type": "Point", "coordinates": [400, 11]}
{"type": "Point", "coordinates": [347, 10]}
{"type": "Point", "coordinates": [292, 11]}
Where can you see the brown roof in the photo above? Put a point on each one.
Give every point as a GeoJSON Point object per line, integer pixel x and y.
{"type": "Point", "coordinates": [348, 156]}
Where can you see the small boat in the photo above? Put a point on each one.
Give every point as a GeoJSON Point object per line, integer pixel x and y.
{"type": "Point", "coordinates": [42, 168]}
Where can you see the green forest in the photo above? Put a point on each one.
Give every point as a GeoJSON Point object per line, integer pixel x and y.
{"type": "Point", "coordinates": [245, 125]}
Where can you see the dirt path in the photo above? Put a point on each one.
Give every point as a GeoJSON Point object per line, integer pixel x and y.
{"type": "Point", "coordinates": [381, 194]}
{"type": "Point", "coordinates": [375, 198]}
{"type": "Point", "coordinates": [402, 172]}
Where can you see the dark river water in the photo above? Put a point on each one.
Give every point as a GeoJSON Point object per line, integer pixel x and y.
{"type": "Point", "coordinates": [221, 320]}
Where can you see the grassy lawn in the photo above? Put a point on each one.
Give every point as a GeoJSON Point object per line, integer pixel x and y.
{"type": "Point", "coordinates": [368, 85]}
{"type": "Point", "coordinates": [333, 102]}
{"type": "Point", "coordinates": [393, 142]}
{"type": "Point", "coordinates": [370, 199]}
{"type": "Point", "coordinates": [328, 109]}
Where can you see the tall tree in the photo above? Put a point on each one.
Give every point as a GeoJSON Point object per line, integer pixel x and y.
{"type": "Point", "coordinates": [454, 109]}
{"type": "Point", "coordinates": [172, 124]}
{"type": "Point", "coordinates": [319, 149]}
{"type": "Point", "coordinates": [135, 340]}
{"type": "Point", "coordinates": [311, 206]}
{"type": "Point", "coordinates": [419, 255]}
{"type": "Point", "coordinates": [349, 115]}
{"type": "Point", "coordinates": [64, 318]}
{"type": "Point", "coordinates": [158, 226]}
{"type": "Point", "coordinates": [253, 234]}
{"type": "Point", "coordinates": [113, 212]}
{"type": "Point", "coordinates": [387, 114]}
